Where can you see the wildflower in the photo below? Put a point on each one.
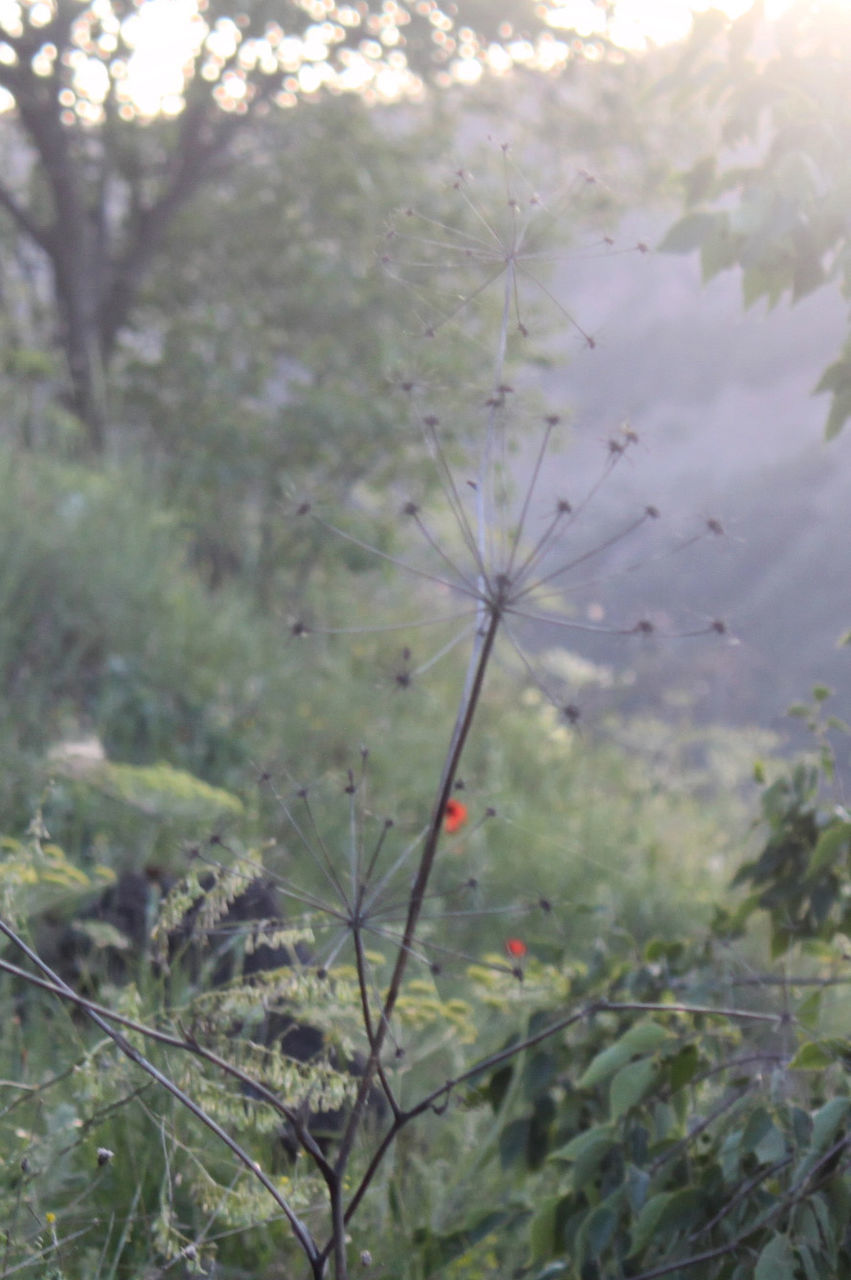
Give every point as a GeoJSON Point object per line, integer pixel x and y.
{"type": "Point", "coordinates": [454, 816]}
{"type": "Point", "coordinates": [516, 948]}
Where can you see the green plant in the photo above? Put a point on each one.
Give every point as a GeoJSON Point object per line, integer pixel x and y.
{"type": "Point", "coordinates": [768, 195]}
{"type": "Point", "coordinates": [611, 1087]}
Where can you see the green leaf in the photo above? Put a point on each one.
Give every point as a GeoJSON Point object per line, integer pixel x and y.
{"type": "Point", "coordinates": [666, 1215]}
{"type": "Point", "coordinates": [830, 843]}
{"type": "Point", "coordinates": [762, 281]}
{"type": "Point", "coordinates": [631, 1084]}
{"type": "Point", "coordinates": [827, 1233]}
{"type": "Point", "coordinates": [514, 1142]}
{"type": "Point", "coordinates": [699, 179]}
{"type": "Point", "coordinates": [663, 949]}
{"type": "Point", "coordinates": [777, 1261]}
{"type": "Point", "coordinates": [811, 1225]}
{"type": "Point", "coordinates": [683, 1066]}
{"type": "Point", "coordinates": [836, 377]}
{"type": "Point", "coordinates": [636, 1183]}
{"type": "Point", "coordinates": [538, 1073]}
{"type": "Point", "coordinates": [542, 1229]}
{"type": "Point", "coordinates": [840, 1047]}
{"type": "Point", "coordinates": [808, 1011]}
{"type": "Point", "coordinates": [812, 1269]}
{"type": "Point", "coordinates": [840, 412]}
{"type": "Point", "coordinates": [758, 1125]}
{"type": "Point", "coordinates": [688, 233]}
{"type": "Point", "coordinates": [827, 1120]}
{"type": "Point", "coordinates": [648, 1220]}
{"type": "Point", "coordinates": [802, 1126]}
{"type": "Point", "coordinates": [642, 1038]}
{"type": "Point", "coordinates": [812, 1056]}
{"type": "Point", "coordinates": [837, 1195]}
{"type": "Point", "coordinates": [771, 1148]}
{"type": "Point", "coordinates": [598, 1230]}
{"type": "Point", "coordinates": [735, 922]}
{"type": "Point", "coordinates": [496, 1088]}
{"type": "Point", "coordinates": [807, 273]}
{"type": "Point", "coordinates": [718, 252]}
{"type": "Point", "coordinates": [577, 1146]}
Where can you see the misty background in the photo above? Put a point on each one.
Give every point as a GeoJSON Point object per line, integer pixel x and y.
{"type": "Point", "coordinates": [721, 399]}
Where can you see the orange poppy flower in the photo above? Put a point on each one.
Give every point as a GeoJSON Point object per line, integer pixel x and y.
{"type": "Point", "coordinates": [516, 948]}
{"type": "Point", "coordinates": [455, 815]}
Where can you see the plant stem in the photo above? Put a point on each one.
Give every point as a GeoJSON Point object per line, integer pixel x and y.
{"type": "Point", "coordinates": [460, 734]}
{"type": "Point", "coordinates": [299, 1228]}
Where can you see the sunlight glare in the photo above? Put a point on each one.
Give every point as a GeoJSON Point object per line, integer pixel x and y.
{"type": "Point", "coordinates": [165, 36]}
{"type": "Point", "coordinates": [634, 25]}
{"type": "Point", "coordinates": [166, 42]}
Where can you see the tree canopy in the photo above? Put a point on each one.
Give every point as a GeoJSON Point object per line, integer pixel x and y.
{"type": "Point", "coordinates": [769, 195]}
{"type": "Point", "coordinates": [100, 165]}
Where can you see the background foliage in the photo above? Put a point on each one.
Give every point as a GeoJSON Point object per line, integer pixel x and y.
{"type": "Point", "coordinates": [626, 1004]}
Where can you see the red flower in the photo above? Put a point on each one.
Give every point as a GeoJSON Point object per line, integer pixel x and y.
{"type": "Point", "coordinates": [455, 815]}
{"type": "Point", "coordinates": [516, 948]}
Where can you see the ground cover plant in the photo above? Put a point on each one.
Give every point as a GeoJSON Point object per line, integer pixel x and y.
{"type": "Point", "coordinates": [505, 1083]}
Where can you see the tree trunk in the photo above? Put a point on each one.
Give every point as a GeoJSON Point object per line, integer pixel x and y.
{"type": "Point", "coordinates": [99, 247]}
{"type": "Point", "coordinates": [76, 295]}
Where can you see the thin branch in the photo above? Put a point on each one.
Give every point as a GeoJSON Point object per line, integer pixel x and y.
{"type": "Point", "coordinates": [42, 1253]}
{"type": "Point", "coordinates": [742, 1194]}
{"type": "Point", "coordinates": [363, 988]}
{"type": "Point", "coordinates": [694, 1010]}
{"type": "Point", "coordinates": [429, 429]}
{"type": "Point", "coordinates": [587, 555]}
{"type": "Point", "coordinates": [187, 1043]}
{"type": "Point", "coordinates": [63, 991]}
{"type": "Point", "coordinates": [435, 546]}
{"type": "Point", "coordinates": [780, 1207]}
{"type": "Point", "coordinates": [431, 1099]}
{"type": "Point", "coordinates": [383, 555]}
{"type": "Point", "coordinates": [463, 724]}
{"type": "Point", "coordinates": [432, 621]}
{"type": "Point", "coordinates": [544, 540]}
{"type": "Point", "coordinates": [726, 1104]}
